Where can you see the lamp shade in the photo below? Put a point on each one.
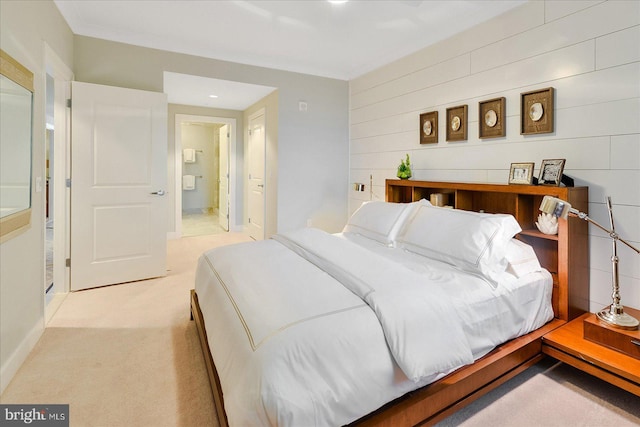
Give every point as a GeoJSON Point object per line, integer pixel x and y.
{"type": "Point", "coordinates": [556, 207]}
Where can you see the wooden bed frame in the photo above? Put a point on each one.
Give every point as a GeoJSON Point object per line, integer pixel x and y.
{"type": "Point", "coordinates": [564, 255]}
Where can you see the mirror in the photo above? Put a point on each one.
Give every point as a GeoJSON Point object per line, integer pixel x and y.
{"type": "Point", "coordinates": [16, 106]}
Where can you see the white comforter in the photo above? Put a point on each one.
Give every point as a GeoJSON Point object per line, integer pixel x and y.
{"type": "Point", "coordinates": [312, 329]}
{"type": "Point", "coordinates": [415, 318]}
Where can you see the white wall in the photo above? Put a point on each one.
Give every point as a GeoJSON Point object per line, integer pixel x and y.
{"type": "Point", "coordinates": [312, 147]}
{"type": "Point", "coordinates": [589, 51]}
{"type": "Point", "coordinates": [25, 26]}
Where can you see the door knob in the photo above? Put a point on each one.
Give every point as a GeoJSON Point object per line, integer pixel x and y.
{"type": "Point", "coordinates": [159, 193]}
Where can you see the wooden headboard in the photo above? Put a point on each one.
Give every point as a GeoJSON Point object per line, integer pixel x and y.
{"type": "Point", "coordinates": [565, 255]}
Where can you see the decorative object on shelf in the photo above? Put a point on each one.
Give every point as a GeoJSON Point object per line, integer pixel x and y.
{"type": "Point", "coordinates": [429, 128]}
{"type": "Point", "coordinates": [547, 224]}
{"type": "Point", "coordinates": [614, 315]}
{"type": "Point", "coordinates": [457, 123]}
{"type": "Point", "coordinates": [404, 170]}
{"type": "Point", "coordinates": [491, 118]}
{"type": "Point", "coordinates": [439, 199]}
{"type": "Point", "coordinates": [536, 111]}
{"type": "Point", "coordinates": [551, 172]}
{"type": "Point", "coordinates": [521, 173]}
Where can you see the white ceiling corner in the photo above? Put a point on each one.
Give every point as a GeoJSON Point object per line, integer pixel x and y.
{"type": "Point", "coordinates": [341, 41]}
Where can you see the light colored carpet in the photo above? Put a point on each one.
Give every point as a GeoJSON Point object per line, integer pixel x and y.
{"type": "Point", "coordinates": [551, 394]}
{"type": "Point", "coordinates": [128, 355]}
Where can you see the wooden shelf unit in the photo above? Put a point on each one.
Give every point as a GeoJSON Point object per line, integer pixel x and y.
{"type": "Point", "coordinates": [522, 201]}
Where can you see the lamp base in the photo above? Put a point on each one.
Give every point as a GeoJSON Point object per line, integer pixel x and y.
{"type": "Point", "coordinates": [618, 320]}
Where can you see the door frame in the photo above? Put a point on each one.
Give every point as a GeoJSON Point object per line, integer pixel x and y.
{"type": "Point", "coordinates": [186, 118]}
{"type": "Point", "coordinates": [62, 76]}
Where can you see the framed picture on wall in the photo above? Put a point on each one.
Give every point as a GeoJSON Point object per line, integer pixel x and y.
{"type": "Point", "coordinates": [536, 111]}
{"type": "Point", "coordinates": [551, 172]}
{"type": "Point", "coordinates": [457, 123]}
{"type": "Point", "coordinates": [491, 118]}
{"type": "Point", "coordinates": [429, 128]}
{"type": "Point", "coordinates": [521, 173]}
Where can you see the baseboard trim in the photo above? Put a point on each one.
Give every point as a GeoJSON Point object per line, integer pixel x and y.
{"type": "Point", "coordinates": [15, 361]}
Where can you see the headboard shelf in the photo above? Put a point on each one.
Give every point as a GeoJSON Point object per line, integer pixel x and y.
{"type": "Point", "coordinates": [538, 234]}
{"type": "Point", "coordinates": [565, 255]}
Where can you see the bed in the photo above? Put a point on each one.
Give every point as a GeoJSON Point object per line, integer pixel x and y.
{"type": "Point", "coordinates": [407, 314]}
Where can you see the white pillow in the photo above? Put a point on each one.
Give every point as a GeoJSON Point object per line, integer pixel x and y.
{"type": "Point", "coordinates": [521, 258]}
{"type": "Point", "coordinates": [380, 221]}
{"type": "Point", "coordinates": [471, 241]}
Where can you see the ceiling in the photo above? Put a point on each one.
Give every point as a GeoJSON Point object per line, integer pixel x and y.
{"type": "Point", "coordinates": [317, 37]}
{"type": "Point", "coordinates": [186, 89]}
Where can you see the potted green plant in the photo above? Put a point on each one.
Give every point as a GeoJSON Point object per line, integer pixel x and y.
{"type": "Point", "coordinates": [404, 170]}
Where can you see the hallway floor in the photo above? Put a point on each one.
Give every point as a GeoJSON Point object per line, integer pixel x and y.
{"type": "Point", "coordinates": [199, 224]}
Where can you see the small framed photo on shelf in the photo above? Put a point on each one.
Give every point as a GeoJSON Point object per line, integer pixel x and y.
{"type": "Point", "coordinates": [551, 172]}
{"type": "Point", "coordinates": [536, 111]}
{"type": "Point", "coordinates": [457, 123]}
{"type": "Point", "coordinates": [521, 173]}
{"type": "Point", "coordinates": [491, 120]}
{"type": "Point", "coordinates": [429, 128]}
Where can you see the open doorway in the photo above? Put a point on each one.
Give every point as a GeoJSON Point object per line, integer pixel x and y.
{"type": "Point", "coordinates": [56, 191]}
{"type": "Point", "coordinates": [205, 175]}
{"type": "Point", "coordinates": [203, 211]}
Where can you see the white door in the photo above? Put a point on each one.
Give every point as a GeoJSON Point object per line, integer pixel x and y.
{"type": "Point", "coordinates": [256, 154]}
{"type": "Point", "coordinates": [118, 179]}
{"type": "Point", "coordinates": [223, 179]}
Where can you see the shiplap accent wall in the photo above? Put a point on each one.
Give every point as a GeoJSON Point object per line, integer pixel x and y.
{"type": "Point", "coordinates": [589, 51]}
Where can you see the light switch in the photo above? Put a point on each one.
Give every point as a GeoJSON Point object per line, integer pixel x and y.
{"type": "Point", "coordinates": [38, 184]}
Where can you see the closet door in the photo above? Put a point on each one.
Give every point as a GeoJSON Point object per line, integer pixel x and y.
{"type": "Point", "coordinates": [223, 179]}
{"type": "Point", "coordinates": [257, 167]}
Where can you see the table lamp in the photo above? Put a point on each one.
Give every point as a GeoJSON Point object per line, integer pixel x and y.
{"type": "Point", "coordinates": [614, 315]}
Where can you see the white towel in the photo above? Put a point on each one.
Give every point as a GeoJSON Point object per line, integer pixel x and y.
{"type": "Point", "coordinates": [189, 155]}
{"type": "Point", "coordinates": [188, 182]}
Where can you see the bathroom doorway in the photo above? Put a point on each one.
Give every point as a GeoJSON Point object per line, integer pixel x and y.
{"type": "Point", "coordinates": [205, 165]}
{"type": "Point", "coordinates": [54, 183]}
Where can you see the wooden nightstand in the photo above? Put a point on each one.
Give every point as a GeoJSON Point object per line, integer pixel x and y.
{"type": "Point", "coordinates": [567, 344]}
